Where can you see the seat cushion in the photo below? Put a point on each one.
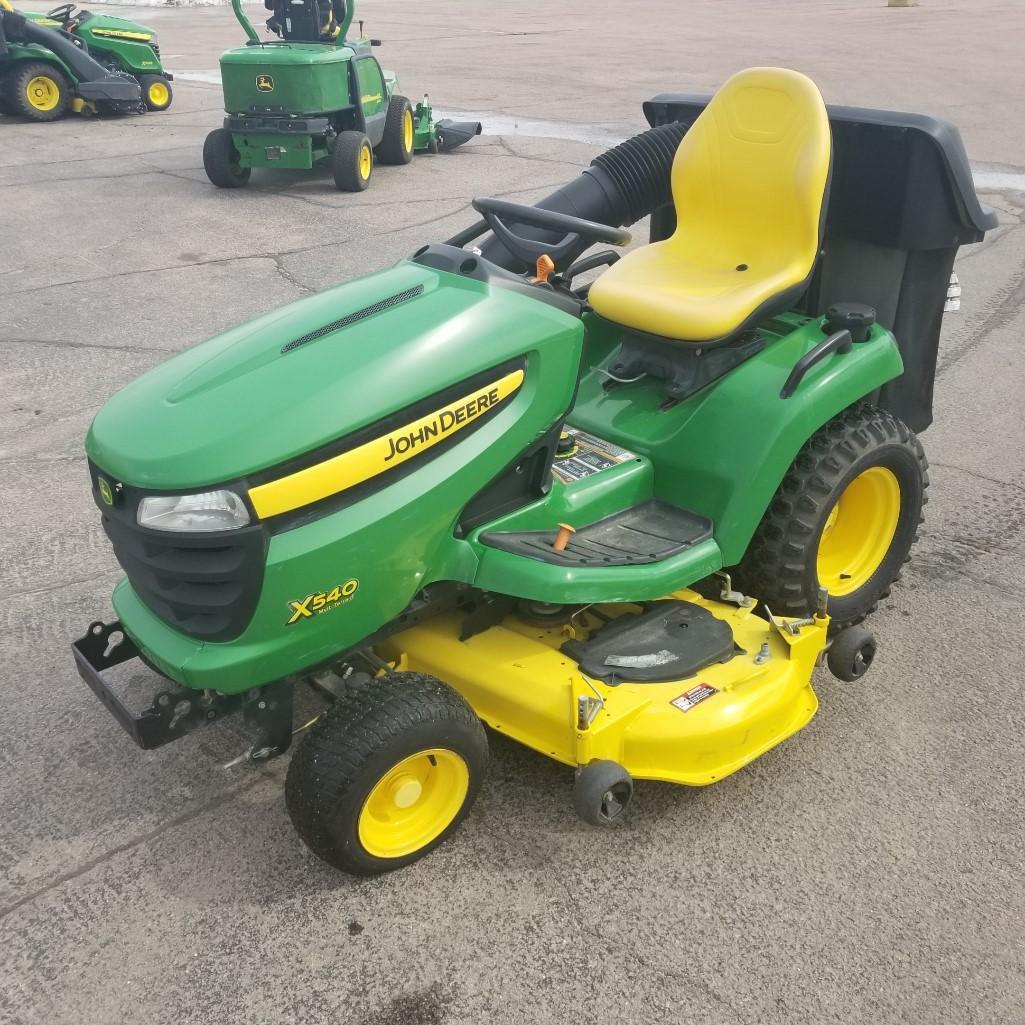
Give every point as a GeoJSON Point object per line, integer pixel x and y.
{"type": "Point", "coordinates": [656, 291]}
{"type": "Point", "coordinates": [749, 184]}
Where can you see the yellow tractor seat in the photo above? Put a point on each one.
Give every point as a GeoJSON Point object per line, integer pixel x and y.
{"type": "Point", "coordinates": [750, 181]}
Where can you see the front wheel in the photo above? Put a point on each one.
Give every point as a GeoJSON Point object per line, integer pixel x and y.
{"type": "Point", "coordinates": [388, 774]}
{"type": "Point", "coordinates": [156, 92]}
{"type": "Point", "coordinates": [844, 518]}
{"type": "Point", "coordinates": [222, 161]}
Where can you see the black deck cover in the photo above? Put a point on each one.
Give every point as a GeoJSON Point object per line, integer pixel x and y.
{"type": "Point", "coordinates": [671, 641]}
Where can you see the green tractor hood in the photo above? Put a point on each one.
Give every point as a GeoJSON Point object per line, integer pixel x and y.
{"type": "Point", "coordinates": [102, 25]}
{"type": "Point", "coordinates": [310, 373]}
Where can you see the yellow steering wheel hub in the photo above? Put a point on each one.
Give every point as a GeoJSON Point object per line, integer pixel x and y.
{"type": "Point", "coordinates": [859, 531]}
{"type": "Point", "coordinates": [43, 92]}
{"type": "Point", "coordinates": [413, 803]}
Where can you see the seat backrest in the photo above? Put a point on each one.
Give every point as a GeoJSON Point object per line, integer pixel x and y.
{"type": "Point", "coordinates": [750, 178]}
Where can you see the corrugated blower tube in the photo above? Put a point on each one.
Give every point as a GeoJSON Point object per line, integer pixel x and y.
{"type": "Point", "coordinates": [621, 186]}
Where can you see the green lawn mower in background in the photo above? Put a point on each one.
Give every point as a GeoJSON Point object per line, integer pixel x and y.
{"type": "Point", "coordinates": [74, 60]}
{"type": "Point", "coordinates": [620, 522]}
{"type": "Point", "coordinates": [315, 97]}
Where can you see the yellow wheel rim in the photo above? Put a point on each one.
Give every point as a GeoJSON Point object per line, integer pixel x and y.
{"type": "Point", "coordinates": [858, 531]}
{"type": "Point", "coordinates": [407, 131]}
{"type": "Point", "coordinates": [158, 94]}
{"type": "Point", "coordinates": [43, 92]}
{"type": "Point", "coordinates": [413, 803]}
{"type": "Point", "coordinates": [366, 162]}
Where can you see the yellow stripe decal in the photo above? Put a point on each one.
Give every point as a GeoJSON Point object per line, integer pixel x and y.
{"type": "Point", "coordinates": [115, 33]}
{"type": "Point", "coordinates": [384, 453]}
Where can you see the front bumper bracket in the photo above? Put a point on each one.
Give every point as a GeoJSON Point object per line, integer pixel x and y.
{"type": "Point", "coordinates": [174, 713]}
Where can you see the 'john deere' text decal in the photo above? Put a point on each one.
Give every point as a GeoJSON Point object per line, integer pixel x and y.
{"type": "Point", "coordinates": [366, 461]}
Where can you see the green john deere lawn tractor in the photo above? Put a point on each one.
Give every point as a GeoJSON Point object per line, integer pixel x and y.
{"type": "Point", "coordinates": [619, 522]}
{"type": "Point", "coordinates": [316, 97]}
{"type": "Point", "coordinates": [74, 60]}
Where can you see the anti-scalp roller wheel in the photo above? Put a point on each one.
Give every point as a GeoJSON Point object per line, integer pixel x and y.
{"type": "Point", "coordinates": [851, 653]}
{"type": "Point", "coordinates": [602, 793]}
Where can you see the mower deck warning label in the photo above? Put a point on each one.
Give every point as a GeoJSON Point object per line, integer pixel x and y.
{"type": "Point", "coordinates": [588, 455]}
{"type": "Point", "coordinates": [686, 701]}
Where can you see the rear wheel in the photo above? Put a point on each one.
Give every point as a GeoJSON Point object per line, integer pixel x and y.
{"type": "Point", "coordinates": [38, 91]}
{"type": "Point", "coordinates": [388, 774]}
{"type": "Point", "coordinates": [397, 145]}
{"type": "Point", "coordinates": [352, 162]}
{"type": "Point", "coordinates": [222, 161]}
{"type": "Point", "coordinates": [844, 518]}
{"type": "Point", "coordinates": [156, 92]}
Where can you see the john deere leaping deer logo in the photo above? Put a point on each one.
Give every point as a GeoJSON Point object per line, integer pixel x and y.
{"type": "Point", "coordinates": [265, 83]}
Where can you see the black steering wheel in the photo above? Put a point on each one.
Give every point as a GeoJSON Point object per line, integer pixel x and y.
{"type": "Point", "coordinates": [496, 212]}
{"type": "Point", "coordinates": [62, 13]}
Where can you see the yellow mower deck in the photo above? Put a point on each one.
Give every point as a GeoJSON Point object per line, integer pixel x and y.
{"type": "Point", "coordinates": [692, 731]}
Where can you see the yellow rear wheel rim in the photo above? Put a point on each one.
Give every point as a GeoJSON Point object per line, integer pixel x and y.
{"type": "Point", "coordinates": [413, 803]}
{"type": "Point", "coordinates": [158, 94]}
{"type": "Point", "coordinates": [366, 162]}
{"type": "Point", "coordinates": [859, 531]}
{"type": "Point", "coordinates": [407, 131]}
{"type": "Point", "coordinates": [43, 92]}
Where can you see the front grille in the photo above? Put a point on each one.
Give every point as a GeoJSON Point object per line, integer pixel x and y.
{"type": "Point", "coordinates": [205, 585]}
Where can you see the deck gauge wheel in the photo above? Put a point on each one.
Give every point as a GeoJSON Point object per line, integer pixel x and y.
{"type": "Point", "coordinates": [602, 792]}
{"type": "Point", "coordinates": [851, 653]}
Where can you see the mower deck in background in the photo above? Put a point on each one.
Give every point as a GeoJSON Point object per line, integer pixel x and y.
{"type": "Point", "coordinates": [75, 60]}
{"type": "Point", "coordinates": [620, 522]}
{"type": "Point", "coordinates": [316, 97]}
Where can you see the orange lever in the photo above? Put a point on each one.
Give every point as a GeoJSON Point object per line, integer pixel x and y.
{"type": "Point", "coordinates": [545, 265]}
{"type": "Point", "coordinates": [562, 538]}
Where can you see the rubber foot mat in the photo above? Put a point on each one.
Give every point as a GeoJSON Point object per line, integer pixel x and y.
{"type": "Point", "coordinates": [638, 536]}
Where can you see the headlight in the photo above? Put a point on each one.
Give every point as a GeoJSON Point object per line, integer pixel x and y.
{"type": "Point", "coordinates": [213, 510]}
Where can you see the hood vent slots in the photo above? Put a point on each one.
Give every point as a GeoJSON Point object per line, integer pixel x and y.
{"type": "Point", "coordinates": [352, 318]}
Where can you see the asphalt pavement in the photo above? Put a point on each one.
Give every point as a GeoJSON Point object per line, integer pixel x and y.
{"type": "Point", "coordinates": [866, 872]}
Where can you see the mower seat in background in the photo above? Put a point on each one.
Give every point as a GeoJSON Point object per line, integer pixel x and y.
{"type": "Point", "coordinates": [750, 182]}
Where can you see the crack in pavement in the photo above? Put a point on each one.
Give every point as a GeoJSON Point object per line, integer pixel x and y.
{"type": "Point", "coordinates": [107, 157]}
{"type": "Point", "coordinates": [76, 178]}
{"type": "Point", "coordinates": [96, 577]}
{"type": "Point", "coordinates": [507, 150]}
{"type": "Point", "coordinates": [290, 277]}
{"type": "Point", "coordinates": [137, 841]}
{"type": "Point", "coordinates": [29, 458]}
{"type": "Point", "coordinates": [61, 343]}
{"type": "Point", "coordinates": [931, 569]}
{"type": "Point", "coordinates": [686, 979]}
{"type": "Point", "coordinates": [1014, 486]}
{"type": "Point", "coordinates": [283, 193]}
{"type": "Point", "coordinates": [1009, 301]}
{"type": "Point", "coordinates": [238, 259]}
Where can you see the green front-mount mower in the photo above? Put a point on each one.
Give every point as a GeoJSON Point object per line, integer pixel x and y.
{"type": "Point", "coordinates": [619, 522]}
{"type": "Point", "coordinates": [74, 60]}
{"type": "Point", "coordinates": [316, 97]}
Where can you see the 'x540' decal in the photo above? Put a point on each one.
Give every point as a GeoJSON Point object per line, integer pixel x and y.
{"type": "Point", "coordinates": [321, 601]}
